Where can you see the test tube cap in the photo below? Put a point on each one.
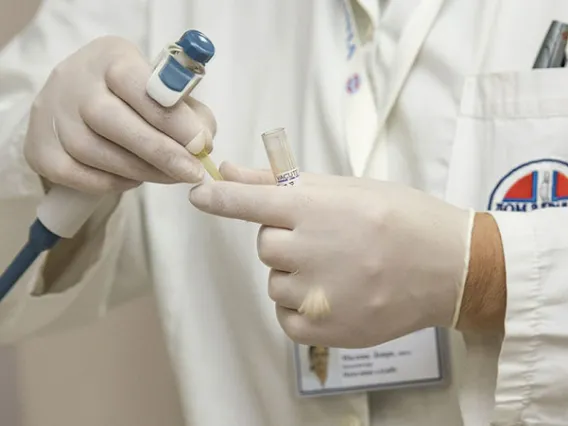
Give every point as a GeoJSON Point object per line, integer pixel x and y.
{"type": "Point", "coordinates": [197, 46]}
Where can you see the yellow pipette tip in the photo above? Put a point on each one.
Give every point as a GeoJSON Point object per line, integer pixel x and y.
{"type": "Point", "coordinates": [209, 165]}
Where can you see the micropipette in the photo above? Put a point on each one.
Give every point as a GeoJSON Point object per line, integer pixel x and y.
{"type": "Point", "coordinates": [63, 211]}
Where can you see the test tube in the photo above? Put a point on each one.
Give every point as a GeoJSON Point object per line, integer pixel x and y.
{"type": "Point", "coordinates": [281, 158]}
{"type": "Point", "coordinates": [285, 170]}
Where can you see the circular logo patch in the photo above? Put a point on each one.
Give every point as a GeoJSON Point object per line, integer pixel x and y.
{"type": "Point", "coordinates": [534, 185]}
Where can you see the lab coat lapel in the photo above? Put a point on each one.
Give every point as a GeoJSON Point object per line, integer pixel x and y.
{"type": "Point", "coordinates": [364, 145]}
{"type": "Point", "coordinates": [369, 19]}
{"type": "Point", "coordinates": [359, 101]}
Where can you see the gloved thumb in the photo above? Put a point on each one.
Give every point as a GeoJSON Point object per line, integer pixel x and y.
{"type": "Point", "coordinates": [235, 173]}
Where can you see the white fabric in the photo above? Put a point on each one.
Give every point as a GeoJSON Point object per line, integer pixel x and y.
{"type": "Point", "coordinates": [512, 125]}
{"type": "Point", "coordinates": [528, 389]}
{"type": "Point", "coordinates": [438, 138]}
{"type": "Point", "coordinates": [399, 249]}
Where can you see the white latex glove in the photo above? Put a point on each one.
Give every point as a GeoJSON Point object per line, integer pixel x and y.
{"type": "Point", "coordinates": [391, 260]}
{"type": "Point", "coordinates": [93, 127]}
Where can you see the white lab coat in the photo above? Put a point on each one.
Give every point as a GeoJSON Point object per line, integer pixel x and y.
{"type": "Point", "coordinates": [467, 124]}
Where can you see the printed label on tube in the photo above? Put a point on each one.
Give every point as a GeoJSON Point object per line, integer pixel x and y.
{"type": "Point", "coordinates": [289, 178]}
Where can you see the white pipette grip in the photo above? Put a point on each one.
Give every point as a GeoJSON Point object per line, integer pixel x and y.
{"type": "Point", "coordinates": [64, 210]}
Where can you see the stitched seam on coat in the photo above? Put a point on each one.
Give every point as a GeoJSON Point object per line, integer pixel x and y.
{"type": "Point", "coordinates": [535, 326]}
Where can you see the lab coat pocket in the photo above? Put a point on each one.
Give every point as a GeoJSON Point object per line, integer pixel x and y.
{"type": "Point", "coordinates": [511, 144]}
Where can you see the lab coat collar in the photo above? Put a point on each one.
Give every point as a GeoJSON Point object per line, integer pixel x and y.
{"type": "Point", "coordinates": [413, 36]}
{"type": "Point", "coordinates": [371, 7]}
{"type": "Point", "coordinates": [366, 15]}
{"type": "Point", "coordinates": [363, 138]}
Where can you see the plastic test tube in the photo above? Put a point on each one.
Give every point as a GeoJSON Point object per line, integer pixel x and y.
{"type": "Point", "coordinates": [281, 158]}
{"type": "Point", "coordinates": [286, 173]}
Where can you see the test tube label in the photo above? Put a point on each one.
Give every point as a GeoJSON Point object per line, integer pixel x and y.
{"type": "Point", "coordinates": [289, 178]}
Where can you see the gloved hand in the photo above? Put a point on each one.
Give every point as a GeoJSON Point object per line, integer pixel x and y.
{"type": "Point", "coordinates": [391, 260]}
{"type": "Point", "coordinates": [93, 127]}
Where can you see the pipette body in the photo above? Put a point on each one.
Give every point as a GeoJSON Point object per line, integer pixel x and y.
{"type": "Point", "coordinates": [63, 211]}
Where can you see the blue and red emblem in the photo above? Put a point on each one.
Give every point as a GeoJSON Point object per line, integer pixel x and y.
{"type": "Point", "coordinates": [530, 186]}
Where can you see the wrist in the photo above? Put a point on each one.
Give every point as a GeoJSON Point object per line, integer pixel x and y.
{"type": "Point", "coordinates": [484, 297]}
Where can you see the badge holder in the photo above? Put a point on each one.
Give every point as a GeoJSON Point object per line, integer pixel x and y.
{"type": "Point", "coordinates": [420, 359]}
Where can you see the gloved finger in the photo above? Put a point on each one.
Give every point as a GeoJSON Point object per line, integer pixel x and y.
{"type": "Point", "coordinates": [208, 120]}
{"type": "Point", "coordinates": [284, 291]}
{"type": "Point", "coordinates": [202, 142]}
{"type": "Point", "coordinates": [235, 173]}
{"type": "Point", "coordinates": [93, 150]}
{"type": "Point", "coordinates": [112, 119]}
{"type": "Point", "coordinates": [66, 171]}
{"type": "Point", "coordinates": [306, 331]}
{"type": "Point", "coordinates": [296, 326]}
{"type": "Point", "coordinates": [263, 204]}
{"type": "Point", "coordinates": [127, 77]}
{"type": "Point", "coordinates": [276, 248]}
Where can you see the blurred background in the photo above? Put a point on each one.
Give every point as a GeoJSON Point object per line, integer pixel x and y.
{"type": "Point", "coordinates": [9, 403]}
{"type": "Point", "coordinates": [64, 380]}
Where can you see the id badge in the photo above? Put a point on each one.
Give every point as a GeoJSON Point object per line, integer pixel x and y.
{"type": "Point", "coordinates": [415, 360]}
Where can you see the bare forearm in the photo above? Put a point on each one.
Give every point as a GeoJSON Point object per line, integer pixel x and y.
{"type": "Point", "coordinates": [485, 295]}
